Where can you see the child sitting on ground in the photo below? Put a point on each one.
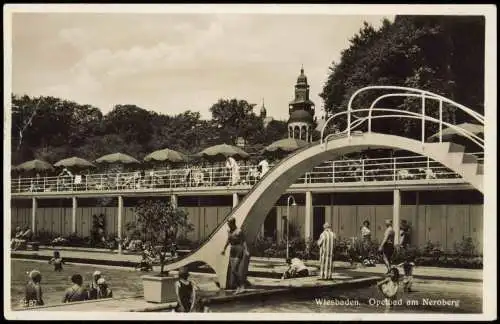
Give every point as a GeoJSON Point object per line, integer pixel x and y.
{"type": "Point", "coordinates": [57, 261]}
{"type": "Point", "coordinates": [408, 267]}
{"type": "Point", "coordinates": [185, 290]}
{"type": "Point", "coordinates": [389, 287]}
{"type": "Point", "coordinates": [296, 269]}
{"type": "Point", "coordinates": [146, 263]}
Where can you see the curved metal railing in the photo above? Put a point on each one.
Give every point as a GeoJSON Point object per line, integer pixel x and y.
{"type": "Point", "coordinates": [423, 116]}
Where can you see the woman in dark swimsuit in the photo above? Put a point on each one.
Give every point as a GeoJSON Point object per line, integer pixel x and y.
{"type": "Point", "coordinates": [239, 256]}
{"type": "Point", "coordinates": [387, 244]}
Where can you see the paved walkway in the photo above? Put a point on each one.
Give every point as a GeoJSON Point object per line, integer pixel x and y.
{"type": "Point", "coordinates": [259, 264]}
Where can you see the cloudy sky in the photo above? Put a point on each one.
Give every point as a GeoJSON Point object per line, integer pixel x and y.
{"type": "Point", "coordinates": [170, 63]}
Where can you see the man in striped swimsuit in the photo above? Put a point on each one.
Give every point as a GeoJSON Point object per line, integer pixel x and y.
{"type": "Point", "coordinates": [326, 245]}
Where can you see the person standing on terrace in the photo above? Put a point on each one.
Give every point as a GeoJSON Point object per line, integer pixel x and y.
{"type": "Point", "coordinates": [234, 169]}
{"type": "Point", "coordinates": [264, 167]}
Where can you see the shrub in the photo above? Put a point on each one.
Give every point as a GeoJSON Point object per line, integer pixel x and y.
{"type": "Point", "coordinates": [77, 241]}
{"type": "Point", "coordinates": [465, 247]}
{"type": "Point", "coordinates": [260, 245]}
{"type": "Point", "coordinates": [45, 237]}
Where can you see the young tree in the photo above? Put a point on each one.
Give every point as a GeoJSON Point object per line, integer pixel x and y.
{"type": "Point", "coordinates": [161, 222]}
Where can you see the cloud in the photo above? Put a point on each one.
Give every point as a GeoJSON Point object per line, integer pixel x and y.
{"type": "Point", "coordinates": [170, 63]}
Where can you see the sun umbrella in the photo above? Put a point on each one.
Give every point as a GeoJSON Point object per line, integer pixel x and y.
{"type": "Point", "coordinates": [449, 132]}
{"type": "Point", "coordinates": [117, 158]}
{"type": "Point", "coordinates": [34, 165]}
{"type": "Point", "coordinates": [74, 162]}
{"type": "Point", "coordinates": [286, 145]}
{"type": "Point", "coordinates": [166, 155]}
{"type": "Point", "coordinates": [223, 150]}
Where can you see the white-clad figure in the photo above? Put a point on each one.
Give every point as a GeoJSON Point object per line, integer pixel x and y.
{"type": "Point", "coordinates": [235, 170]}
{"type": "Point", "coordinates": [264, 167]}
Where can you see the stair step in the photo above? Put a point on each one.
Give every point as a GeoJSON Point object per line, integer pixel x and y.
{"type": "Point", "coordinates": [480, 168]}
{"type": "Point", "coordinates": [469, 158]}
{"type": "Point", "coordinates": [454, 147]}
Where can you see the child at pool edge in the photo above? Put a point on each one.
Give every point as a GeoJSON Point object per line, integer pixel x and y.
{"type": "Point", "coordinates": [389, 287]}
{"type": "Point", "coordinates": [57, 261]}
{"type": "Point", "coordinates": [408, 267]}
{"type": "Point", "coordinates": [185, 290]}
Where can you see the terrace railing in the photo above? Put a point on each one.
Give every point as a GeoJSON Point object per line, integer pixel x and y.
{"type": "Point", "coordinates": [395, 169]}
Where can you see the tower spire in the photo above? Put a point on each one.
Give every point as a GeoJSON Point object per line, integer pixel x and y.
{"type": "Point", "coordinates": [263, 112]}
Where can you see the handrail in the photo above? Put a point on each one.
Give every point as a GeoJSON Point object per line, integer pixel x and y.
{"type": "Point", "coordinates": [402, 114]}
{"type": "Point", "coordinates": [411, 92]}
{"type": "Point", "coordinates": [469, 111]}
{"type": "Point", "coordinates": [216, 176]}
{"type": "Point", "coordinates": [473, 137]}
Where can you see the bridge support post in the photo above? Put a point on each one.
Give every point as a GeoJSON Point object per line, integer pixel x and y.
{"type": "Point", "coordinates": [73, 214]}
{"type": "Point", "coordinates": [235, 199]}
{"type": "Point", "coordinates": [33, 214]}
{"type": "Point", "coordinates": [120, 219]}
{"type": "Point", "coordinates": [173, 201]}
{"type": "Point", "coordinates": [308, 228]}
{"type": "Point", "coordinates": [396, 208]}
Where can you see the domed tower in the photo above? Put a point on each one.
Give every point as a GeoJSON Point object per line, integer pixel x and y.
{"type": "Point", "coordinates": [301, 111]}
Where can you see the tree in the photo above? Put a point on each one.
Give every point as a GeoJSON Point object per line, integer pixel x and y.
{"type": "Point", "coordinates": [160, 222]}
{"type": "Point", "coordinates": [235, 118]}
{"type": "Point", "coordinates": [23, 113]}
{"type": "Point", "coordinates": [130, 122]}
{"type": "Point", "coordinates": [48, 124]}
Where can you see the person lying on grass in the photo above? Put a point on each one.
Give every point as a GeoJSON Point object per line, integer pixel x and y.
{"type": "Point", "coordinates": [296, 269]}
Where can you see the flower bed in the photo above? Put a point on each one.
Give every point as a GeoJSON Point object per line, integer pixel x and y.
{"type": "Point", "coordinates": [349, 250]}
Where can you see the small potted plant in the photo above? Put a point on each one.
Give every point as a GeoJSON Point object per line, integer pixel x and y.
{"type": "Point", "coordinates": [161, 222]}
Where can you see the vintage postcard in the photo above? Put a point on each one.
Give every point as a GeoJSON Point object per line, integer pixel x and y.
{"type": "Point", "coordinates": [305, 162]}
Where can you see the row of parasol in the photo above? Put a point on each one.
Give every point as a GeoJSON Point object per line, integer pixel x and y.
{"type": "Point", "coordinates": [215, 152]}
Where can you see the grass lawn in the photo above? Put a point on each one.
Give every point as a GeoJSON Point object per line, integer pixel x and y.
{"type": "Point", "coordinates": [125, 282]}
